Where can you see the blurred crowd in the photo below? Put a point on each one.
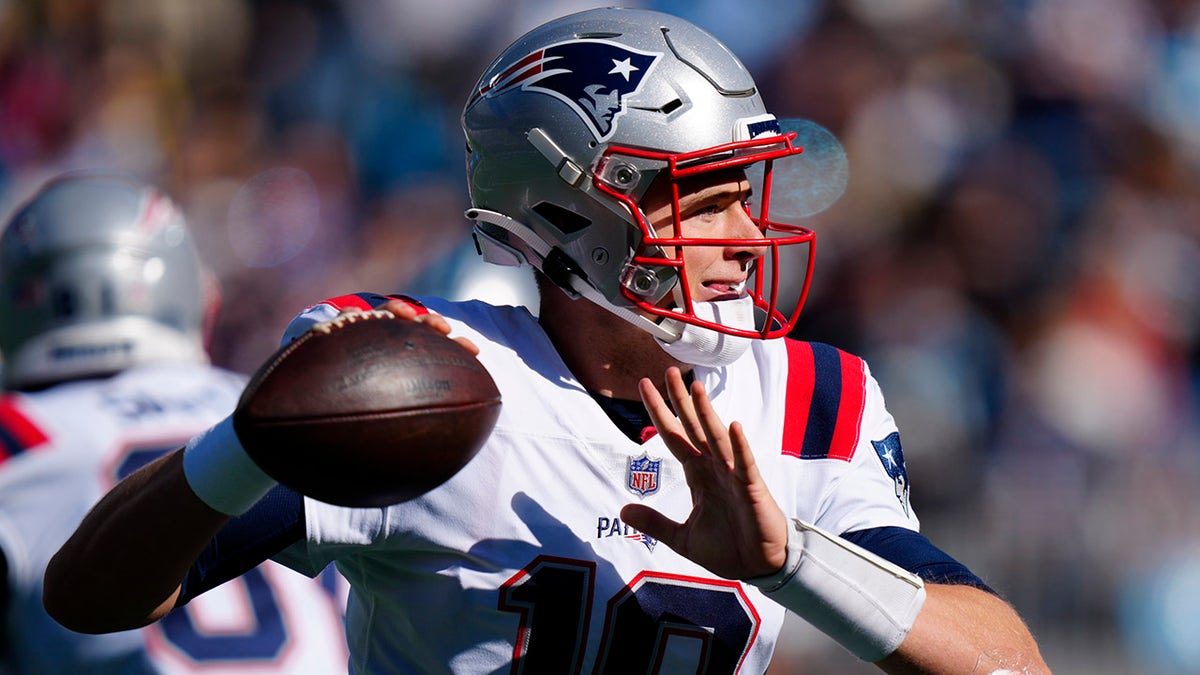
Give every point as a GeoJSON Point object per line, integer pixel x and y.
{"type": "Point", "coordinates": [1017, 254]}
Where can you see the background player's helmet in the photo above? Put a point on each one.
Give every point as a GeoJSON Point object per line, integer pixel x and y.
{"type": "Point", "coordinates": [571, 124]}
{"type": "Point", "coordinates": [97, 273]}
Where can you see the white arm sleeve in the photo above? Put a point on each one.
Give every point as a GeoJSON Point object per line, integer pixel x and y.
{"type": "Point", "coordinates": [865, 603]}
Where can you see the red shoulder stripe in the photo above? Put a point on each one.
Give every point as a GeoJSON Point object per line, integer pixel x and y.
{"type": "Point", "coordinates": [17, 433]}
{"type": "Point", "coordinates": [850, 412]}
{"type": "Point", "coordinates": [800, 382]}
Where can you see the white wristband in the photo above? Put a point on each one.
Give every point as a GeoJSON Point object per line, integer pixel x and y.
{"type": "Point", "coordinates": [862, 601]}
{"type": "Point", "coordinates": [221, 473]}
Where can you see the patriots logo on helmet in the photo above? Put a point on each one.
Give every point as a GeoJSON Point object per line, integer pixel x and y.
{"type": "Point", "coordinates": [893, 463]}
{"type": "Point", "coordinates": [593, 77]}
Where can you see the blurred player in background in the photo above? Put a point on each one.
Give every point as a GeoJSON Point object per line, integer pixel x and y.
{"type": "Point", "coordinates": [106, 308]}
{"type": "Point", "coordinates": [613, 522]}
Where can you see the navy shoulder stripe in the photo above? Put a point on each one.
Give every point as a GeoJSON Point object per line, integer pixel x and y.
{"type": "Point", "coordinates": [825, 397]}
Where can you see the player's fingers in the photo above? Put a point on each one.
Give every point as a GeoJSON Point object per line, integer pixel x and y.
{"type": "Point", "coordinates": [439, 323]}
{"type": "Point", "coordinates": [660, 413]}
{"type": "Point", "coordinates": [685, 410]}
{"type": "Point", "coordinates": [436, 321]}
{"type": "Point", "coordinates": [651, 522]}
{"type": "Point", "coordinates": [466, 343]}
{"type": "Point", "coordinates": [743, 459]}
{"type": "Point", "coordinates": [406, 310]}
{"type": "Point", "coordinates": [665, 422]}
{"type": "Point", "coordinates": [711, 426]}
{"type": "Point", "coordinates": [400, 308]}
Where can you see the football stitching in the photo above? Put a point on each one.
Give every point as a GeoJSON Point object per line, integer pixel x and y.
{"type": "Point", "coordinates": [341, 320]}
{"type": "Point", "coordinates": [323, 328]}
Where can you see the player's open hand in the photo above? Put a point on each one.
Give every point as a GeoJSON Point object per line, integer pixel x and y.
{"type": "Point", "coordinates": [735, 529]}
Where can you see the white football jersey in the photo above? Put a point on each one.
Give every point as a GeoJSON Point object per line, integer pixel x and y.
{"type": "Point", "coordinates": [521, 563]}
{"type": "Point", "coordinates": [60, 450]}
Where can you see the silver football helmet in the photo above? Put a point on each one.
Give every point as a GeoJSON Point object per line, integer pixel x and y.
{"type": "Point", "coordinates": [571, 124]}
{"type": "Point", "coordinates": [97, 273]}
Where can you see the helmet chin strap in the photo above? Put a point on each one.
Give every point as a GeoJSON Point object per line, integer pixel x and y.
{"type": "Point", "coordinates": [688, 342]}
{"type": "Point", "coordinates": [685, 342]}
{"type": "Point", "coordinates": [702, 346]}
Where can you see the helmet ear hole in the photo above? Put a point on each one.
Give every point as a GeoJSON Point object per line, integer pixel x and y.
{"type": "Point", "coordinates": [671, 106]}
{"type": "Point", "coordinates": [63, 303]}
{"type": "Point", "coordinates": [563, 219]}
{"type": "Point", "coordinates": [108, 300]}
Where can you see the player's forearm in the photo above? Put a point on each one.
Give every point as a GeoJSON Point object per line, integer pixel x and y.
{"type": "Point", "coordinates": [123, 566]}
{"type": "Point", "coordinates": [884, 614]}
{"type": "Point", "coordinates": [962, 629]}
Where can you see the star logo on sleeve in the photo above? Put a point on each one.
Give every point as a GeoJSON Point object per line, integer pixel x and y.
{"type": "Point", "coordinates": [892, 458]}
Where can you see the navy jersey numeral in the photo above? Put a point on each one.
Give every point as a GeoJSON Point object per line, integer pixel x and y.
{"type": "Point", "coordinates": [262, 640]}
{"type": "Point", "coordinates": [554, 598]}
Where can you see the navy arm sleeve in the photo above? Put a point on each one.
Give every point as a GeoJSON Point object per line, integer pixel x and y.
{"type": "Point", "coordinates": [271, 525]}
{"type": "Point", "coordinates": [915, 553]}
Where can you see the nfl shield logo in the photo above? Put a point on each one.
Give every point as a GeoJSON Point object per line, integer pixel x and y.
{"type": "Point", "coordinates": [643, 474]}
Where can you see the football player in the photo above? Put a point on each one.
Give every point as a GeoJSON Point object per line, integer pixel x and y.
{"type": "Point", "coordinates": [106, 309]}
{"type": "Point", "coordinates": [670, 473]}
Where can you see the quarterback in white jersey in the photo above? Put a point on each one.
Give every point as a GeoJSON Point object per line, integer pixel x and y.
{"type": "Point", "coordinates": [670, 472]}
{"type": "Point", "coordinates": [527, 540]}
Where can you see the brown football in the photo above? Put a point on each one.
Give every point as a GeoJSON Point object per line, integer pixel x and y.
{"type": "Point", "coordinates": [367, 410]}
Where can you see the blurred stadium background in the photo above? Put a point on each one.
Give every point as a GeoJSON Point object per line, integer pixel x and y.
{"type": "Point", "coordinates": [1017, 254]}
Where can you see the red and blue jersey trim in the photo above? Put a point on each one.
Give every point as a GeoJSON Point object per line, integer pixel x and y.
{"type": "Point", "coordinates": [369, 301]}
{"type": "Point", "coordinates": [17, 433]}
{"type": "Point", "coordinates": [826, 395]}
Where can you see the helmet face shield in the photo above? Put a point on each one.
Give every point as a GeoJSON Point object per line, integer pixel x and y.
{"type": "Point", "coordinates": [779, 275]}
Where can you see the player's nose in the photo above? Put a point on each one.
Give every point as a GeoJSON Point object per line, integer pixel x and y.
{"type": "Point", "coordinates": [744, 230]}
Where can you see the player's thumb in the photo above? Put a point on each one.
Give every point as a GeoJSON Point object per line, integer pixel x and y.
{"type": "Point", "coordinates": [651, 522]}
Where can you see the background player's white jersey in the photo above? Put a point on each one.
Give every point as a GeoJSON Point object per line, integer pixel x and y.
{"type": "Point", "coordinates": [521, 560]}
{"type": "Point", "coordinates": [60, 450]}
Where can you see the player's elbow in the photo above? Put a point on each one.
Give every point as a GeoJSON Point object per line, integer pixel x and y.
{"type": "Point", "coordinates": [73, 598]}
{"type": "Point", "coordinates": [57, 598]}
{"type": "Point", "coordinates": [62, 600]}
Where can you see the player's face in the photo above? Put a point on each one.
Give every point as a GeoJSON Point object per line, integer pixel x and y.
{"type": "Point", "coordinates": [710, 207]}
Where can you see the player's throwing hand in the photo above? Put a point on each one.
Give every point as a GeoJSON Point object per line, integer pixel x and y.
{"type": "Point", "coordinates": [407, 310]}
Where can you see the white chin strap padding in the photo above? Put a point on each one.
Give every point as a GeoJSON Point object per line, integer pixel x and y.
{"type": "Point", "coordinates": [706, 347]}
